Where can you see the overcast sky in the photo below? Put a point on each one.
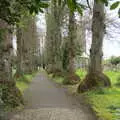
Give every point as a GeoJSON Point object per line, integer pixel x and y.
{"type": "Point", "coordinates": [111, 46]}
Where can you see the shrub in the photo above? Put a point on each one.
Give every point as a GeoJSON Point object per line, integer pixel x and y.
{"type": "Point", "coordinates": [115, 60]}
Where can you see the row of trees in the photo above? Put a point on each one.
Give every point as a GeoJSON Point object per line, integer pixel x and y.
{"type": "Point", "coordinates": [61, 50]}
{"type": "Point", "coordinates": [17, 18]}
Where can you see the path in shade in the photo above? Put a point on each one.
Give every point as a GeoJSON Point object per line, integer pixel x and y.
{"type": "Point", "coordinates": [48, 102]}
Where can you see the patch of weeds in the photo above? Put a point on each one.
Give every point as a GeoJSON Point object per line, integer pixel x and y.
{"type": "Point", "coordinates": [23, 82]}
{"type": "Point", "coordinates": [105, 101]}
{"type": "Point", "coordinates": [51, 75]}
{"type": "Point", "coordinates": [81, 73]}
{"type": "Point", "coordinates": [58, 79]}
{"type": "Point", "coordinates": [113, 76]}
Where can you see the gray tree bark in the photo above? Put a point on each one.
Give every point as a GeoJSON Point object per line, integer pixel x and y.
{"type": "Point", "coordinates": [54, 37]}
{"type": "Point", "coordinates": [97, 38]}
{"type": "Point", "coordinates": [95, 78]}
{"type": "Point", "coordinates": [27, 46]}
{"type": "Point", "coordinates": [20, 53]}
{"type": "Point", "coordinates": [71, 43]}
{"type": "Point", "coordinates": [5, 51]}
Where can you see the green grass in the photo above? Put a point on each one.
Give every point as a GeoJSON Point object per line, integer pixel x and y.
{"type": "Point", "coordinates": [61, 80]}
{"type": "Point", "coordinates": [23, 82]}
{"type": "Point", "coordinates": [81, 73]}
{"type": "Point", "coordinates": [105, 102]}
{"type": "Point", "coordinates": [113, 76]}
{"type": "Point", "coordinates": [57, 79]}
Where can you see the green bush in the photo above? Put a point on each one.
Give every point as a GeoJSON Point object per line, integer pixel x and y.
{"type": "Point", "coordinates": [115, 60]}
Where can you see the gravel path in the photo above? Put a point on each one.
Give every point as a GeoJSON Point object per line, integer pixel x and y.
{"type": "Point", "coordinates": [48, 102]}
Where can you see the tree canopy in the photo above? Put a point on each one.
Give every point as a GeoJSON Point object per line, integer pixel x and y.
{"type": "Point", "coordinates": [12, 10]}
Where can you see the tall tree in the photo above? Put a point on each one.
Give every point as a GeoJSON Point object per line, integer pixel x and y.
{"type": "Point", "coordinates": [19, 68]}
{"type": "Point", "coordinates": [26, 46]}
{"type": "Point", "coordinates": [5, 51]}
{"type": "Point", "coordinates": [71, 42]}
{"type": "Point", "coordinates": [95, 77]}
{"type": "Point", "coordinates": [10, 14]}
{"type": "Point", "coordinates": [53, 37]}
{"type": "Point", "coordinates": [11, 96]}
{"type": "Point", "coordinates": [69, 52]}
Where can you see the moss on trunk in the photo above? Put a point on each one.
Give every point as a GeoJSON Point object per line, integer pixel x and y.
{"type": "Point", "coordinates": [93, 81]}
{"type": "Point", "coordinates": [71, 78]}
{"type": "Point", "coordinates": [11, 95]}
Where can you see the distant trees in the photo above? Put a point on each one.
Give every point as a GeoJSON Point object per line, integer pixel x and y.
{"type": "Point", "coordinates": [115, 60]}
{"type": "Point", "coordinates": [27, 45]}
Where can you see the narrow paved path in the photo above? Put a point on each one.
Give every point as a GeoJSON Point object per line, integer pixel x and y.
{"type": "Point", "coordinates": [48, 102]}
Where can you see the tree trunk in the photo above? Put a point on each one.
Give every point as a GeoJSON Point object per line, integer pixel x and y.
{"type": "Point", "coordinates": [71, 43]}
{"type": "Point", "coordinates": [5, 51]}
{"type": "Point", "coordinates": [10, 96]}
{"type": "Point", "coordinates": [27, 46]}
{"type": "Point", "coordinates": [70, 76]}
{"type": "Point", "coordinates": [95, 77]}
{"type": "Point", "coordinates": [19, 70]}
{"type": "Point", "coordinates": [98, 29]}
{"type": "Point", "coordinates": [54, 38]}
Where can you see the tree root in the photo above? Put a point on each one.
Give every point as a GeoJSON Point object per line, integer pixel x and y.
{"type": "Point", "coordinates": [93, 81]}
{"type": "Point", "coordinates": [71, 78]}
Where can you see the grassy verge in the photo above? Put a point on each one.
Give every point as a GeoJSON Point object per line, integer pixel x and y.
{"type": "Point", "coordinates": [105, 102]}
{"type": "Point", "coordinates": [57, 79]}
{"type": "Point", "coordinates": [81, 73]}
{"type": "Point", "coordinates": [23, 82]}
